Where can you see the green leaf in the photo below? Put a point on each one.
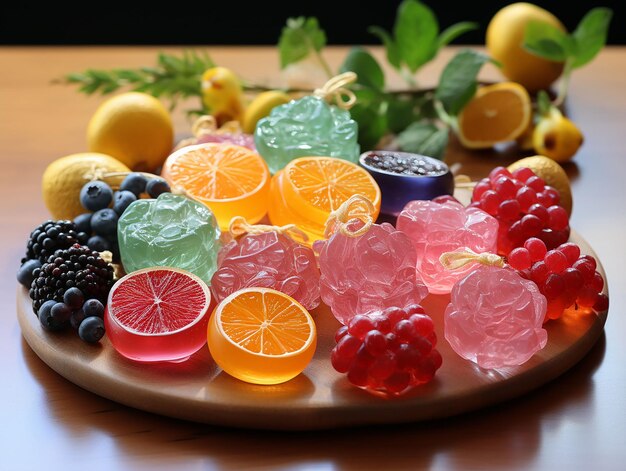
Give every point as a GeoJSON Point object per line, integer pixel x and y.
{"type": "Point", "coordinates": [416, 31]}
{"type": "Point", "coordinates": [452, 32]}
{"type": "Point", "coordinates": [590, 35]}
{"type": "Point", "coordinates": [367, 69]}
{"type": "Point", "coordinates": [391, 48]}
{"type": "Point", "coordinates": [547, 41]}
{"type": "Point", "coordinates": [403, 111]}
{"type": "Point", "coordinates": [369, 114]}
{"type": "Point", "coordinates": [299, 37]}
{"type": "Point", "coordinates": [425, 139]}
{"type": "Point", "coordinates": [457, 84]}
{"type": "Point", "coordinates": [543, 103]}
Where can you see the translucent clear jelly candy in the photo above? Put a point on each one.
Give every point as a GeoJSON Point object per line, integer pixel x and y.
{"type": "Point", "coordinates": [367, 267]}
{"type": "Point", "coordinates": [171, 231]}
{"type": "Point", "coordinates": [495, 318]}
{"type": "Point", "coordinates": [436, 228]}
{"type": "Point", "coordinates": [268, 260]}
{"type": "Point", "coordinates": [306, 127]}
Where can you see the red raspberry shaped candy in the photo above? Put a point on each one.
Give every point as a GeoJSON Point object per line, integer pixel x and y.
{"type": "Point", "coordinates": [564, 276]}
{"type": "Point", "coordinates": [524, 206]}
{"type": "Point", "coordinates": [388, 351]}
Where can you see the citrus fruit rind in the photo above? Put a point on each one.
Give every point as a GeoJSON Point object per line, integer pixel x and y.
{"type": "Point", "coordinates": [498, 113]}
{"type": "Point", "coordinates": [64, 178]}
{"type": "Point", "coordinates": [261, 336]}
{"type": "Point", "coordinates": [231, 180]}
{"type": "Point", "coordinates": [280, 214]}
{"type": "Point", "coordinates": [158, 314]}
{"type": "Point", "coordinates": [316, 186]}
{"type": "Point", "coordinates": [505, 39]}
{"type": "Point", "coordinates": [133, 127]}
{"type": "Point", "coordinates": [551, 173]}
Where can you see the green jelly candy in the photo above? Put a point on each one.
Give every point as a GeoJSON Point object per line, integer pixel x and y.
{"type": "Point", "coordinates": [303, 128]}
{"type": "Point", "coordinates": [171, 231]}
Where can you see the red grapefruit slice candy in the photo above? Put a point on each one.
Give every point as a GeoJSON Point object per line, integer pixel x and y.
{"type": "Point", "coordinates": [158, 314]}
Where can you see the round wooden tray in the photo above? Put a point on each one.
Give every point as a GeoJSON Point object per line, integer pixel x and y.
{"type": "Point", "coordinates": [319, 398]}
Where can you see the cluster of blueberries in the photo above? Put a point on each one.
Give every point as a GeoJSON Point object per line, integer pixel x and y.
{"type": "Point", "coordinates": [106, 207]}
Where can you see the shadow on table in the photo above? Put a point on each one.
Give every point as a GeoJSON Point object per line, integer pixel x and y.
{"type": "Point", "coordinates": [494, 437]}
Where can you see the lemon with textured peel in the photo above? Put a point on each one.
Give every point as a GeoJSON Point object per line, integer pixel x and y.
{"type": "Point", "coordinates": [133, 127]}
{"type": "Point", "coordinates": [63, 179]}
{"type": "Point", "coordinates": [261, 106]}
{"type": "Point", "coordinates": [552, 173]}
{"type": "Point", "coordinates": [505, 43]}
{"type": "Point", "coordinates": [556, 136]}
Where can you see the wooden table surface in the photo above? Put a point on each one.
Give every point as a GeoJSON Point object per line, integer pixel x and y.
{"type": "Point", "coordinates": [577, 421]}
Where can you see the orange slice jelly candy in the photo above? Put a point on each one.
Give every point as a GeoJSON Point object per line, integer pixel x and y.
{"type": "Point", "coordinates": [231, 180]}
{"type": "Point", "coordinates": [315, 186]}
{"type": "Point", "coordinates": [261, 336]}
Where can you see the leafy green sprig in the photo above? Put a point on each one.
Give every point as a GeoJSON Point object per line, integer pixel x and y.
{"type": "Point", "coordinates": [574, 50]}
{"type": "Point", "coordinates": [172, 77]}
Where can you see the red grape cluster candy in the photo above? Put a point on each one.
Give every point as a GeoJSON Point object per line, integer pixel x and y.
{"type": "Point", "coordinates": [389, 351]}
{"type": "Point", "coordinates": [563, 276]}
{"type": "Point", "coordinates": [524, 206]}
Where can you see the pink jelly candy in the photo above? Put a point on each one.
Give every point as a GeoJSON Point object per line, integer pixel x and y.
{"type": "Point", "coordinates": [495, 318]}
{"type": "Point", "coordinates": [370, 272]}
{"type": "Point", "coordinates": [436, 228]}
{"type": "Point", "coordinates": [239, 139]}
{"type": "Point", "coordinates": [268, 260]}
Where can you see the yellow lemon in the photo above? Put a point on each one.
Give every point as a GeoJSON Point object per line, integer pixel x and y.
{"type": "Point", "coordinates": [557, 137]}
{"type": "Point", "coordinates": [261, 106]}
{"type": "Point", "coordinates": [133, 127]}
{"type": "Point", "coordinates": [505, 39]}
{"type": "Point", "coordinates": [551, 173]}
{"type": "Point", "coordinates": [63, 179]}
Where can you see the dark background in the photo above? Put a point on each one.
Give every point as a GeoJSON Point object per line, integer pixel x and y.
{"type": "Point", "coordinates": [242, 22]}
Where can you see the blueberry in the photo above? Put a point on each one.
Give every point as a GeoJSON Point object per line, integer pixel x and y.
{"type": "Point", "coordinates": [98, 243]}
{"type": "Point", "coordinates": [122, 200]}
{"type": "Point", "coordinates": [95, 195]}
{"type": "Point", "coordinates": [135, 183]}
{"type": "Point", "coordinates": [93, 307]}
{"type": "Point", "coordinates": [54, 316]}
{"type": "Point", "coordinates": [44, 312]}
{"type": "Point", "coordinates": [76, 318]}
{"type": "Point", "coordinates": [156, 186]}
{"type": "Point", "coordinates": [104, 222]}
{"type": "Point", "coordinates": [83, 223]}
{"type": "Point", "coordinates": [25, 273]}
{"type": "Point", "coordinates": [91, 329]}
{"type": "Point", "coordinates": [74, 298]}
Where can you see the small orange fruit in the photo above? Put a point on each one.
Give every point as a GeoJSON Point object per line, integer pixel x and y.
{"type": "Point", "coordinates": [261, 336]}
{"type": "Point", "coordinates": [231, 180]}
{"type": "Point", "coordinates": [497, 113]}
{"type": "Point", "coordinates": [313, 187]}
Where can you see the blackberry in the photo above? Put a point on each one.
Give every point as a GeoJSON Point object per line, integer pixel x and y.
{"type": "Point", "coordinates": [77, 266]}
{"type": "Point", "coordinates": [51, 236]}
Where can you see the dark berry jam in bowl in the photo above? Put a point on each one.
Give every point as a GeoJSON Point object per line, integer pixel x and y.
{"type": "Point", "coordinates": [404, 177]}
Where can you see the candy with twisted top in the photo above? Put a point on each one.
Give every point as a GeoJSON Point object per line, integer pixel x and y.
{"type": "Point", "coordinates": [267, 257]}
{"type": "Point", "coordinates": [365, 267]}
{"type": "Point", "coordinates": [495, 317]}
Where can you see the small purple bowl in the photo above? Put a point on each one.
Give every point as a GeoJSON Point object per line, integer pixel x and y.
{"type": "Point", "coordinates": [404, 177]}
